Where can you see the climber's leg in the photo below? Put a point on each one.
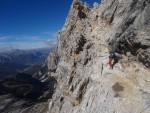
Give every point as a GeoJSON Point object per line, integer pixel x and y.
{"type": "Point", "coordinates": [110, 62]}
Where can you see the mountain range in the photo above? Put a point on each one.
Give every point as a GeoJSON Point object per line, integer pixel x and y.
{"type": "Point", "coordinates": [16, 60]}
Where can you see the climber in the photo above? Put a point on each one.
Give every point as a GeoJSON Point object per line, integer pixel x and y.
{"type": "Point", "coordinates": [112, 55]}
{"type": "Point", "coordinates": [111, 59]}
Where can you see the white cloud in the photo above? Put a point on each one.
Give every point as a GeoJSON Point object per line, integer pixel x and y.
{"type": "Point", "coordinates": [3, 38]}
{"type": "Point", "coordinates": [27, 38]}
{"type": "Point", "coordinates": [20, 37]}
{"type": "Point", "coordinates": [51, 42]}
{"type": "Point", "coordinates": [51, 34]}
{"type": "Point", "coordinates": [23, 45]}
{"type": "Point", "coordinates": [31, 45]}
{"type": "Point", "coordinates": [27, 41]}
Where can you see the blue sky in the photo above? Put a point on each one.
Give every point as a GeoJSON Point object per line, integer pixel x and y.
{"type": "Point", "coordinates": [29, 24]}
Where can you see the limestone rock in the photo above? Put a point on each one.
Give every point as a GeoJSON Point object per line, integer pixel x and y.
{"type": "Point", "coordinates": [85, 82]}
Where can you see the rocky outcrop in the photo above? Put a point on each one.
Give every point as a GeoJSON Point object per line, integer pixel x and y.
{"type": "Point", "coordinates": [43, 70]}
{"type": "Point", "coordinates": [85, 82]}
{"type": "Point", "coordinates": [52, 60]}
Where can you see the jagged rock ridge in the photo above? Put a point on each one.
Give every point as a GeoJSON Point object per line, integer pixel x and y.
{"type": "Point", "coordinates": [85, 82]}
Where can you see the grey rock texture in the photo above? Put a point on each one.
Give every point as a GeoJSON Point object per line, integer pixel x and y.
{"type": "Point", "coordinates": [85, 82]}
{"type": "Point", "coordinates": [52, 60]}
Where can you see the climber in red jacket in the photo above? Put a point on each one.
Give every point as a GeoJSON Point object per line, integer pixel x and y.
{"type": "Point", "coordinates": [113, 54]}
{"type": "Point", "coordinates": [111, 59]}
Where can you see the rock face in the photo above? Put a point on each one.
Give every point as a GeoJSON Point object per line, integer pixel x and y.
{"type": "Point", "coordinates": [85, 82]}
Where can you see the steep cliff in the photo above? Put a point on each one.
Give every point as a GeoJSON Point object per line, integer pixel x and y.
{"type": "Point", "coordinates": [85, 82]}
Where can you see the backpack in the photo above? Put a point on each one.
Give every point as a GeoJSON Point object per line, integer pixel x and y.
{"type": "Point", "coordinates": [112, 55]}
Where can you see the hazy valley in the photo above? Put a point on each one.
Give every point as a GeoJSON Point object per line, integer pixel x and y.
{"type": "Point", "coordinates": [16, 60]}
